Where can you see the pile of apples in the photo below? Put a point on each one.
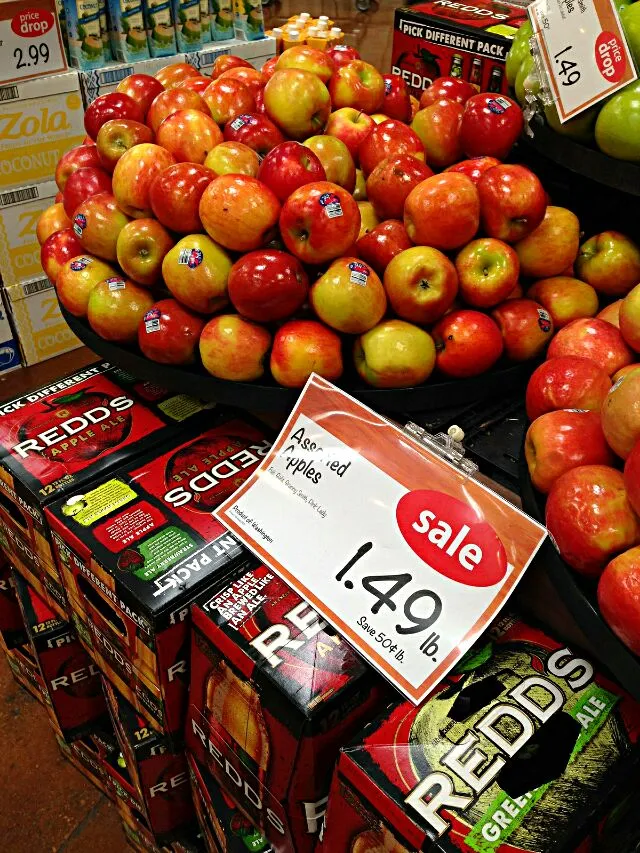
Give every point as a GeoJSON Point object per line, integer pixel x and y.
{"type": "Point", "coordinates": [290, 218]}
{"type": "Point", "coordinates": [583, 445]}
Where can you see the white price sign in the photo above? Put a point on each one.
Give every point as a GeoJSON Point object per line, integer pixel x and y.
{"type": "Point", "coordinates": [583, 50]}
{"type": "Point", "coordinates": [408, 557]}
{"type": "Point", "coordinates": [30, 40]}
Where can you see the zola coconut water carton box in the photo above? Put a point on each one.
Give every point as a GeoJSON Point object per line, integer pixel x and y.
{"type": "Point", "coordinates": [161, 32]}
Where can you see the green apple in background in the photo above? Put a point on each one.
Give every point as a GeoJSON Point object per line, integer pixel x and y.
{"type": "Point", "coordinates": [630, 20]}
{"type": "Point", "coordinates": [518, 52]}
{"type": "Point", "coordinates": [579, 128]}
{"type": "Point", "coordinates": [525, 82]}
{"type": "Point", "coordinates": [618, 124]}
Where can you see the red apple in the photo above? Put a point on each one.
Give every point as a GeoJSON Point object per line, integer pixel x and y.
{"type": "Point", "coordinates": [81, 157]}
{"type": "Point", "coordinates": [227, 99]}
{"type": "Point", "coordinates": [552, 247]}
{"type": "Point", "coordinates": [512, 202]}
{"type": "Point", "coordinates": [175, 193]}
{"type": "Point", "coordinates": [349, 297]}
{"type": "Point", "coordinates": [319, 222]}
{"type": "Point", "coordinates": [117, 136]}
{"type": "Point", "coordinates": [394, 354]}
{"type": "Point", "coordinates": [451, 88]}
{"type": "Point", "coordinates": [254, 130]}
{"type": "Point", "coordinates": [390, 138]}
{"type": "Point", "coordinates": [260, 107]}
{"type": "Point", "coordinates": [133, 175]}
{"type": "Point", "coordinates": [110, 106]}
{"type": "Point", "coordinates": [594, 339]}
{"type": "Point", "coordinates": [239, 212]}
{"type": "Point", "coordinates": [195, 84]}
{"type": "Point", "coordinates": [619, 597]}
{"type": "Point", "coordinates": [57, 249]}
{"type": "Point", "coordinates": [234, 349]}
{"type": "Point", "coordinates": [303, 347]}
{"type": "Point", "coordinates": [629, 318]}
{"type": "Point", "coordinates": [391, 181]}
{"type": "Point", "coordinates": [443, 211]}
{"type": "Point", "coordinates": [172, 75]}
{"type": "Point", "coordinates": [336, 160]}
{"type": "Point", "coordinates": [267, 285]}
{"type": "Point", "coordinates": [189, 135]}
{"type": "Point", "coordinates": [297, 101]}
{"type": "Point", "coordinates": [342, 54]}
{"type": "Point", "coordinates": [51, 220]}
{"type": "Point", "coordinates": [226, 63]}
{"type": "Point", "coordinates": [611, 313]}
{"type": "Point", "coordinates": [379, 246]}
{"type": "Point", "coordinates": [169, 333]}
{"type": "Point", "coordinates": [248, 76]}
{"type": "Point", "coordinates": [309, 59]}
{"type": "Point", "coordinates": [97, 223]}
{"type": "Point", "coordinates": [526, 328]}
{"type": "Point", "coordinates": [269, 68]}
{"type": "Point", "coordinates": [396, 103]}
{"type": "Point", "coordinates": [488, 271]}
{"type": "Point", "coordinates": [621, 414]}
{"type": "Point", "coordinates": [288, 166]}
{"type": "Point", "coordinates": [561, 440]}
{"type": "Point", "coordinates": [590, 518]}
{"type": "Point", "coordinates": [351, 126]}
{"type": "Point", "coordinates": [358, 85]}
{"type": "Point", "coordinates": [115, 308]}
{"type": "Point", "coordinates": [421, 284]}
{"type": "Point", "coordinates": [438, 126]}
{"type": "Point", "coordinates": [77, 278]}
{"type": "Point", "coordinates": [233, 158]}
{"type": "Point", "coordinates": [467, 343]}
{"type": "Point", "coordinates": [196, 271]}
{"type": "Point", "coordinates": [632, 477]}
{"type": "Point", "coordinates": [565, 298]}
{"type": "Point", "coordinates": [490, 126]}
{"type": "Point", "coordinates": [141, 247]}
{"type": "Point", "coordinates": [610, 262]}
{"type": "Point", "coordinates": [143, 88]}
{"type": "Point", "coordinates": [169, 102]}
{"type": "Point", "coordinates": [566, 382]}
{"type": "Point", "coordinates": [81, 185]}
{"type": "Point", "coordinates": [475, 167]}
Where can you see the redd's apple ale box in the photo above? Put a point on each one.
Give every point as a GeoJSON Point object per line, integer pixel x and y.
{"type": "Point", "coordinates": [57, 438]}
{"type": "Point", "coordinates": [523, 747]}
{"type": "Point", "coordinates": [274, 694]}
{"type": "Point", "coordinates": [442, 38]}
{"type": "Point", "coordinates": [136, 547]}
{"type": "Point", "coordinates": [12, 628]}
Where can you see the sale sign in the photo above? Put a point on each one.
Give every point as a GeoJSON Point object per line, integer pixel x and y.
{"type": "Point", "coordinates": [30, 39]}
{"type": "Point", "coordinates": [405, 554]}
{"type": "Point", "coordinates": [583, 50]}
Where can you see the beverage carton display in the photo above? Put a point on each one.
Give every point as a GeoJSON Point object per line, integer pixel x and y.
{"type": "Point", "coordinates": [87, 33]}
{"type": "Point", "coordinates": [274, 694]}
{"type": "Point", "coordinates": [205, 22]}
{"type": "Point", "coordinates": [221, 19]}
{"type": "Point", "coordinates": [186, 14]}
{"type": "Point", "coordinates": [248, 20]}
{"type": "Point", "coordinates": [71, 679]}
{"type": "Point", "coordinates": [19, 247]}
{"type": "Point", "coordinates": [128, 31]}
{"type": "Point", "coordinates": [40, 328]}
{"type": "Point", "coordinates": [25, 672]}
{"type": "Point", "coordinates": [439, 38]}
{"type": "Point", "coordinates": [12, 628]}
{"type": "Point", "coordinates": [522, 747]}
{"type": "Point", "coordinates": [137, 546]}
{"type": "Point", "coordinates": [161, 31]}
{"type": "Point", "coordinates": [157, 771]}
{"type": "Point", "coordinates": [57, 438]}
{"type": "Point", "coordinates": [40, 120]}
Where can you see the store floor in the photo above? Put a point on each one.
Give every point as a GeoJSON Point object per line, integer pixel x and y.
{"type": "Point", "coordinates": [47, 806]}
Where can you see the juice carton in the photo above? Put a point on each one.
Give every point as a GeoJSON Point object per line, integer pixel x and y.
{"type": "Point", "coordinates": [19, 247]}
{"type": "Point", "coordinates": [221, 19]}
{"type": "Point", "coordinates": [129, 36]}
{"type": "Point", "coordinates": [248, 20]}
{"type": "Point", "coordinates": [205, 21]}
{"type": "Point", "coordinates": [186, 14]}
{"type": "Point", "coordinates": [161, 32]}
{"type": "Point", "coordinates": [86, 26]}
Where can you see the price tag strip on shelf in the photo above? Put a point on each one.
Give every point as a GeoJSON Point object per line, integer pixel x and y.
{"type": "Point", "coordinates": [583, 51]}
{"type": "Point", "coordinates": [401, 550]}
{"type": "Point", "coordinates": [30, 40]}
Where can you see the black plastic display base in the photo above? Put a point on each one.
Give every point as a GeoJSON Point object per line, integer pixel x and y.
{"type": "Point", "coordinates": [579, 595]}
{"type": "Point", "coordinates": [269, 397]}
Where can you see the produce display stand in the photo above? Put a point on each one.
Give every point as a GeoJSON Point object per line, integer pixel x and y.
{"type": "Point", "coordinates": [269, 397]}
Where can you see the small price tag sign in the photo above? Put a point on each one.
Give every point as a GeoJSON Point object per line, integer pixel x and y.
{"type": "Point", "coordinates": [583, 50]}
{"type": "Point", "coordinates": [30, 40]}
{"type": "Point", "coordinates": [405, 554]}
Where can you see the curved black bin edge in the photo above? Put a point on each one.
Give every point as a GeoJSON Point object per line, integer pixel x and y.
{"type": "Point", "coordinates": [623, 665]}
{"type": "Point", "coordinates": [275, 398]}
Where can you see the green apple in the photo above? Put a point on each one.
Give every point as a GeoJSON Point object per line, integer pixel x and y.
{"type": "Point", "coordinates": [518, 52]}
{"type": "Point", "coordinates": [525, 81]}
{"type": "Point", "coordinates": [618, 125]}
{"type": "Point", "coordinates": [579, 128]}
{"type": "Point", "coordinates": [630, 19]}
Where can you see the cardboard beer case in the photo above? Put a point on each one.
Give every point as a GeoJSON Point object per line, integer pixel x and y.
{"type": "Point", "coordinates": [24, 669]}
{"type": "Point", "coordinates": [12, 628]}
{"type": "Point", "coordinates": [141, 839]}
{"type": "Point", "coordinates": [522, 748]}
{"type": "Point", "coordinates": [274, 694]}
{"type": "Point", "coordinates": [136, 547]}
{"type": "Point", "coordinates": [40, 576]}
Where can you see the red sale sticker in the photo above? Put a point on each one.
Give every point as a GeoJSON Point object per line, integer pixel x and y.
{"type": "Point", "coordinates": [610, 57]}
{"type": "Point", "coordinates": [32, 23]}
